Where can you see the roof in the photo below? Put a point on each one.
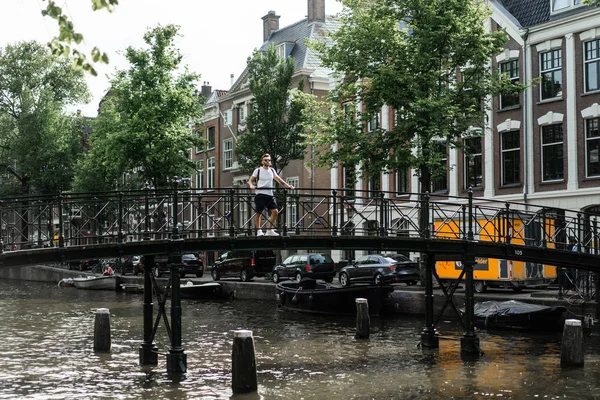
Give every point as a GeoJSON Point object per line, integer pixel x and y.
{"type": "Point", "coordinates": [535, 12]}
{"type": "Point", "coordinates": [298, 33]}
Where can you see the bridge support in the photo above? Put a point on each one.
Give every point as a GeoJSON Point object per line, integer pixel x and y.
{"type": "Point", "coordinates": [429, 335]}
{"type": "Point", "coordinates": [469, 343]}
{"type": "Point", "coordinates": [148, 350]}
{"type": "Point", "coordinates": [176, 359]}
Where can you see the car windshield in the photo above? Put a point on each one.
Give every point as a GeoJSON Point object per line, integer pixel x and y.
{"type": "Point", "coordinates": [188, 257]}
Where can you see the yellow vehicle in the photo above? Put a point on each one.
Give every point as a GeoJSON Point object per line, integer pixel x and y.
{"type": "Point", "coordinates": [493, 272]}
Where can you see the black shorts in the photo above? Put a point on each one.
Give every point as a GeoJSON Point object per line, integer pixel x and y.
{"type": "Point", "coordinates": [262, 201]}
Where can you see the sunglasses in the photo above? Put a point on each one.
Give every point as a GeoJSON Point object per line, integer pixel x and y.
{"type": "Point", "coordinates": [266, 159]}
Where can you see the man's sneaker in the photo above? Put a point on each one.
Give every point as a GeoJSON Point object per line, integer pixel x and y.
{"type": "Point", "coordinates": [271, 232]}
{"type": "Point", "coordinates": [260, 233]}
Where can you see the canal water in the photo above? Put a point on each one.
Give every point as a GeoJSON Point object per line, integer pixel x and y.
{"type": "Point", "coordinates": [46, 352]}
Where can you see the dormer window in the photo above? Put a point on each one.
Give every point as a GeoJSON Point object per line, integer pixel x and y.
{"type": "Point", "coordinates": [284, 50]}
{"type": "Point", "coordinates": [561, 5]}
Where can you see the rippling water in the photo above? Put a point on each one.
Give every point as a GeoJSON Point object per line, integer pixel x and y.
{"type": "Point", "coordinates": [46, 352]}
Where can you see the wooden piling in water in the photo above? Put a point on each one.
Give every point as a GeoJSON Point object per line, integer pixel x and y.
{"type": "Point", "coordinates": [571, 350]}
{"type": "Point", "coordinates": [243, 365]}
{"type": "Point", "coordinates": [102, 330]}
{"type": "Point", "coordinates": [363, 321]}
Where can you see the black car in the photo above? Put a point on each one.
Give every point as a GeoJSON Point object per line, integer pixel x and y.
{"type": "Point", "coordinates": [131, 265]}
{"type": "Point", "coordinates": [312, 265]}
{"type": "Point", "coordinates": [187, 264]}
{"type": "Point", "coordinates": [381, 269]}
{"type": "Point", "coordinates": [244, 264]}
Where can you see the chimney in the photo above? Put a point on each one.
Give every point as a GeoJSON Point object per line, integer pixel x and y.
{"type": "Point", "coordinates": [270, 24]}
{"type": "Point", "coordinates": [316, 11]}
{"type": "Point", "coordinates": [206, 90]}
{"type": "Point", "coordinates": [231, 79]}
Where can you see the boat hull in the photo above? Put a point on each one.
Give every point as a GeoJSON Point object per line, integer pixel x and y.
{"type": "Point", "coordinates": [318, 299]}
{"type": "Point", "coordinates": [210, 290]}
{"type": "Point", "coordinates": [98, 282]}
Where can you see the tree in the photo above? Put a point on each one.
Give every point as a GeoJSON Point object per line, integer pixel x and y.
{"type": "Point", "coordinates": [39, 142]}
{"type": "Point", "coordinates": [68, 36]}
{"type": "Point", "coordinates": [274, 120]}
{"type": "Point", "coordinates": [429, 61]}
{"type": "Point", "coordinates": [142, 124]}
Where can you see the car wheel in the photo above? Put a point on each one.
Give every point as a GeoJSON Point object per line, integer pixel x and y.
{"type": "Point", "coordinates": [344, 279]}
{"type": "Point", "coordinates": [298, 276]}
{"type": "Point", "coordinates": [157, 272]}
{"type": "Point", "coordinates": [479, 286]}
{"type": "Point", "coordinates": [276, 277]}
{"type": "Point", "coordinates": [378, 279]}
{"type": "Point", "coordinates": [244, 275]}
{"type": "Point", "coordinates": [199, 274]}
{"type": "Point", "coordinates": [215, 274]}
{"type": "Point", "coordinates": [328, 280]}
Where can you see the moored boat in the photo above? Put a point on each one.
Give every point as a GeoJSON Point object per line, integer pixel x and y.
{"type": "Point", "coordinates": [96, 282]}
{"type": "Point", "coordinates": [208, 290]}
{"type": "Point", "coordinates": [513, 314]}
{"type": "Point", "coordinates": [66, 282]}
{"type": "Point", "coordinates": [308, 296]}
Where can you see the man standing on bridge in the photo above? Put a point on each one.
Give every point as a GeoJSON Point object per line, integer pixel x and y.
{"type": "Point", "coordinates": [262, 182]}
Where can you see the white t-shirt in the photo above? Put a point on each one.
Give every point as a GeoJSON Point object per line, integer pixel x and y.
{"type": "Point", "coordinates": [264, 183]}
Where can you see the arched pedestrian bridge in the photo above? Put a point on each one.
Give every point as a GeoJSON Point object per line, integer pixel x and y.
{"type": "Point", "coordinates": [73, 226]}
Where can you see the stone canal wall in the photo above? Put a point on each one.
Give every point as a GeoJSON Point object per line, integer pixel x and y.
{"type": "Point", "coordinates": [408, 299]}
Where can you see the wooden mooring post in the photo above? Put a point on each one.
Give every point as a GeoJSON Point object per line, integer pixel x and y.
{"type": "Point", "coordinates": [363, 321]}
{"type": "Point", "coordinates": [571, 349]}
{"type": "Point", "coordinates": [102, 330]}
{"type": "Point", "coordinates": [243, 363]}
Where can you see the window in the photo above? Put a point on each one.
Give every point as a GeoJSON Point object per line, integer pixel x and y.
{"type": "Point", "coordinates": [439, 178]}
{"type": "Point", "coordinates": [200, 174]}
{"type": "Point", "coordinates": [373, 122]}
{"type": "Point", "coordinates": [592, 146]}
{"type": "Point", "coordinates": [375, 183]}
{"type": "Point", "coordinates": [592, 65]}
{"type": "Point", "coordinates": [551, 74]}
{"type": "Point", "coordinates": [349, 180]}
{"type": "Point", "coordinates": [210, 137]}
{"type": "Point", "coordinates": [210, 177]}
{"type": "Point", "coordinates": [511, 70]}
{"type": "Point", "coordinates": [227, 153]}
{"type": "Point", "coordinates": [558, 5]}
{"type": "Point", "coordinates": [292, 206]}
{"type": "Point", "coordinates": [402, 183]}
{"type": "Point", "coordinates": [242, 113]}
{"type": "Point", "coordinates": [552, 152]}
{"type": "Point", "coordinates": [227, 117]}
{"type": "Point", "coordinates": [349, 114]}
{"type": "Point", "coordinates": [473, 164]}
{"type": "Point", "coordinates": [511, 157]}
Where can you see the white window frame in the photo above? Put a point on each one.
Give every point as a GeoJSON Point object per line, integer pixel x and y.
{"type": "Point", "coordinates": [588, 140]}
{"type": "Point", "coordinates": [200, 175]}
{"type": "Point", "coordinates": [563, 5]}
{"type": "Point", "coordinates": [551, 70]}
{"type": "Point", "coordinates": [210, 173]}
{"type": "Point", "coordinates": [589, 62]}
{"type": "Point", "coordinates": [513, 78]}
{"type": "Point", "coordinates": [474, 157]}
{"type": "Point", "coordinates": [291, 206]}
{"type": "Point", "coordinates": [228, 153]}
{"type": "Point", "coordinates": [211, 145]}
{"type": "Point", "coordinates": [546, 145]}
{"type": "Point", "coordinates": [503, 152]}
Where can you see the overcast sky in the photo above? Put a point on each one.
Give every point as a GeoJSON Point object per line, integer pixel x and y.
{"type": "Point", "coordinates": [218, 36]}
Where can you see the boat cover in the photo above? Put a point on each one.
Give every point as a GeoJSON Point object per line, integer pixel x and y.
{"type": "Point", "coordinates": [511, 307]}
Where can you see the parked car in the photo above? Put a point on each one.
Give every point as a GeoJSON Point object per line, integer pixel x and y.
{"type": "Point", "coordinates": [311, 265]}
{"type": "Point", "coordinates": [187, 264]}
{"type": "Point", "coordinates": [244, 264]}
{"type": "Point", "coordinates": [84, 265]}
{"type": "Point", "coordinates": [380, 269]}
{"type": "Point", "coordinates": [132, 265]}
